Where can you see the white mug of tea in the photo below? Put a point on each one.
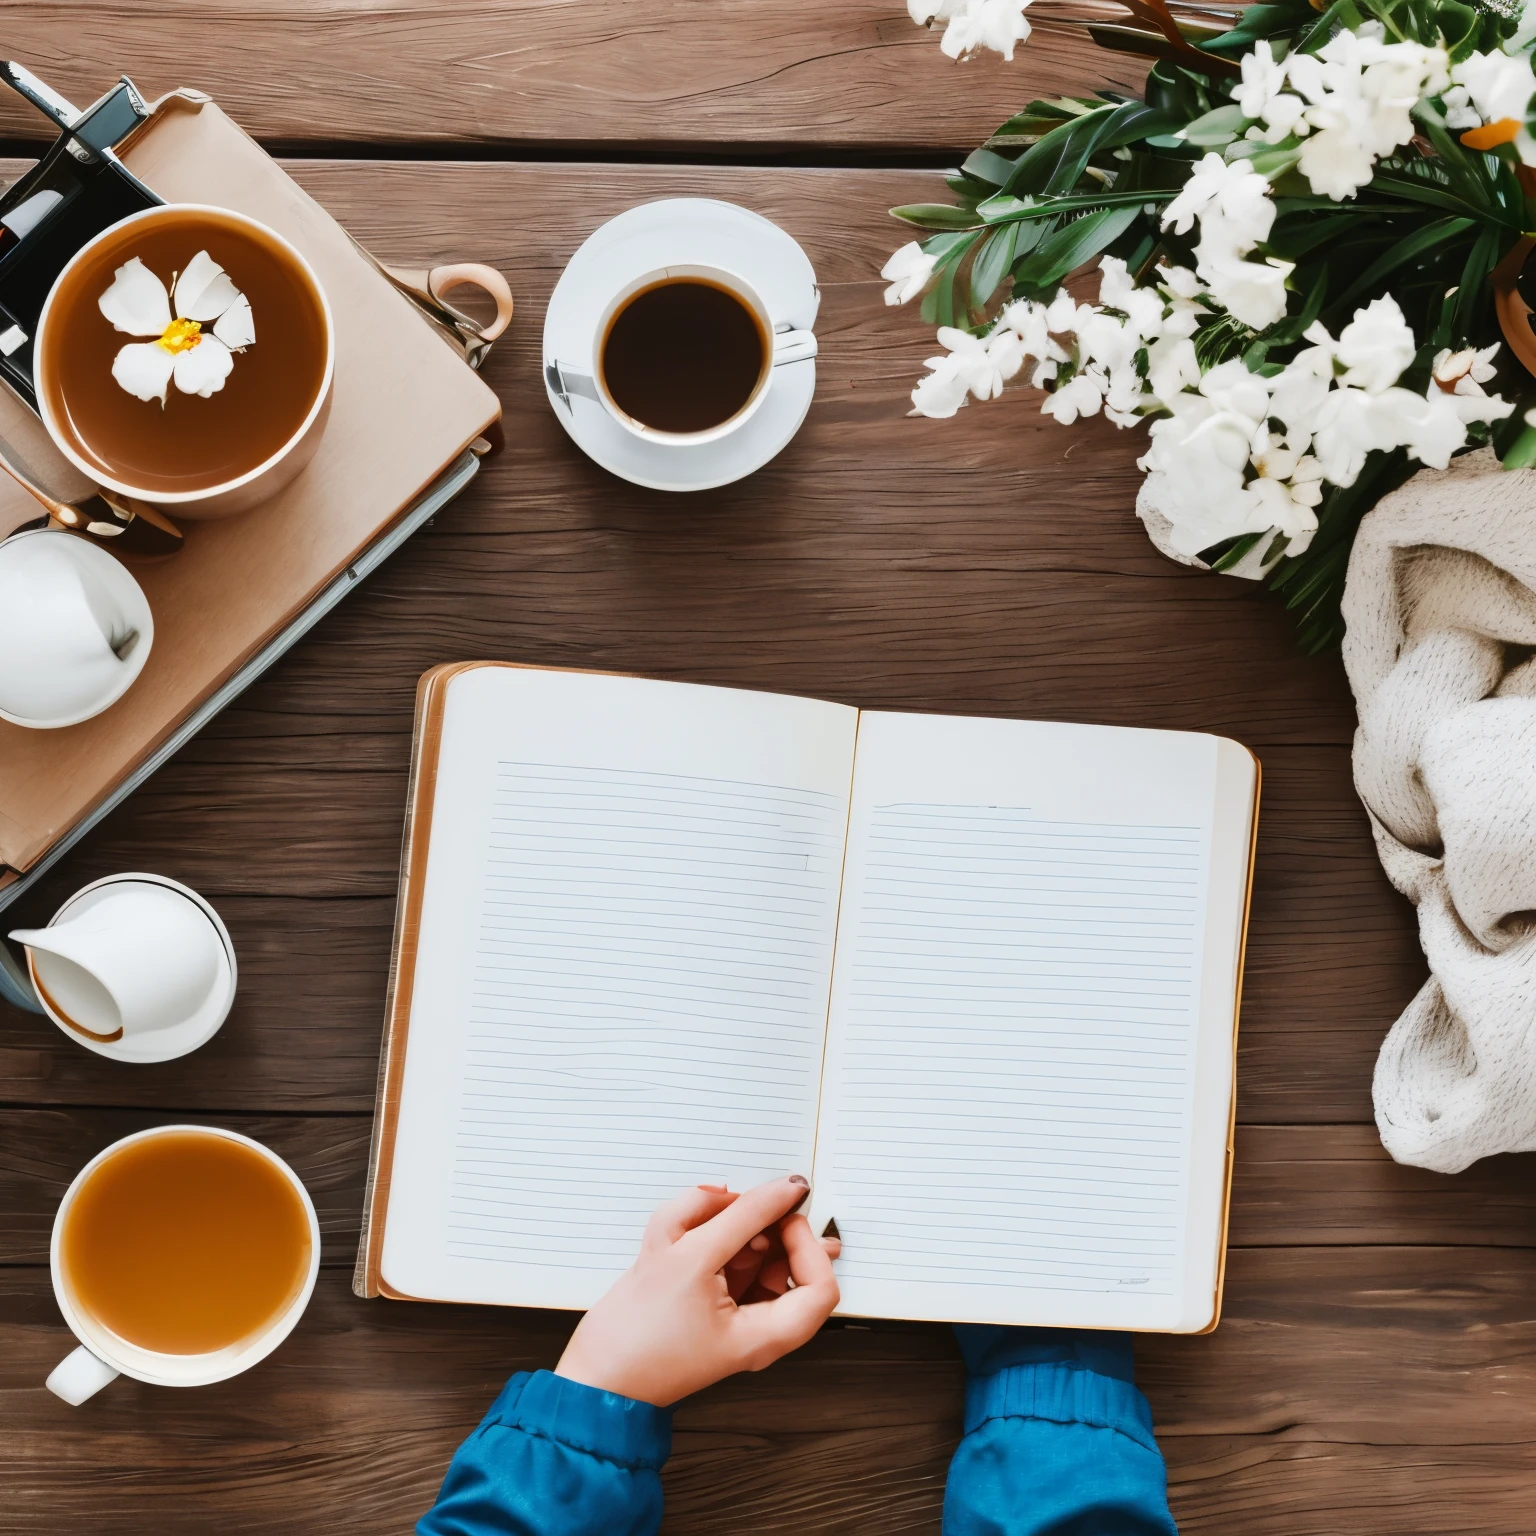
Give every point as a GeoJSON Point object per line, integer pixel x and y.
{"type": "Point", "coordinates": [181, 1256]}
{"type": "Point", "coordinates": [683, 354]}
{"type": "Point", "coordinates": [184, 358]}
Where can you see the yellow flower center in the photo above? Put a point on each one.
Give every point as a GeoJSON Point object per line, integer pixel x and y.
{"type": "Point", "coordinates": [181, 336]}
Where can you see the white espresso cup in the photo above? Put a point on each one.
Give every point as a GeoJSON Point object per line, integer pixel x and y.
{"type": "Point", "coordinates": [102, 1356]}
{"type": "Point", "coordinates": [782, 344]}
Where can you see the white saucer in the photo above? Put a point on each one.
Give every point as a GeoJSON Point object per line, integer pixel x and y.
{"type": "Point", "coordinates": [682, 229]}
{"type": "Point", "coordinates": [177, 1039]}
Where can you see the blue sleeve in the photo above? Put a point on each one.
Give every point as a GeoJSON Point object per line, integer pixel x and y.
{"type": "Point", "coordinates": [556, 1458]}
{"type": "Point", "coordinates": [1058, 1441]}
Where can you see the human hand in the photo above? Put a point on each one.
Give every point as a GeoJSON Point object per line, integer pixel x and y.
{"type": "Point", "coordinates": [683, 1316]}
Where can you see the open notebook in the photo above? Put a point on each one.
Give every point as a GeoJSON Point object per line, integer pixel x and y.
{"type": "Point", "coordinates": [978, 978]}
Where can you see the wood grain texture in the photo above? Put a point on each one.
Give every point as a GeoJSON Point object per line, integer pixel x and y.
{"type": "Point", "coordinates": [42, 1150]}
{"type": "Point", "coordinates": [988, 564]}
{"type": "Point", "coordinates": [1294, 1186]}
{"type": "Point", "coordinates": [1332, 955]}
{"type": "Point", "coordinates": [644, 74]}
{"type": "Point", "coordinates": [1375, 1371]}
{"type": "Point", "coordinates": [1312, 1185]}
{"type": "Point", "coordinates": [1397, 1385]}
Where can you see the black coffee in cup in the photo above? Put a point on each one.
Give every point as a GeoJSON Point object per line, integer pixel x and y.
{"type": "Point", "coordinates": [683, 355]}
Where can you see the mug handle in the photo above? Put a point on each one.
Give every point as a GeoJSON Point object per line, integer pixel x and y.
{"type": "Point", "coordinates": [793, 347]}
{"type": "Point", "coordinates": [425, 287]}
{"type": "Point", "coordinates": [80, 1375]}
{"type": "Point", "coordinates": [563, 382]}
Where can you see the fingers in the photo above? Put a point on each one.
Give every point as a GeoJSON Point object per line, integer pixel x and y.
{"type": "Point", "coordinates": [772, 1278]}
{"type": "Point", "coordinates": [809, 1262]}
{"type": "Point", "coordinates": [683, 1213]}
{"type": "Point", "coordinates": [774, 1275]}
{"type": "Point", "coordinates": [741, 1269]}
{"type": "Point", "coordinates": [734, 1226]}
{"type": "Point", "coordinates": [773, 1328]}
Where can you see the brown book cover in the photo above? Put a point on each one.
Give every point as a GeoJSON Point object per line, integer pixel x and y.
{"type": "Point", "coordinates": [405, 407]}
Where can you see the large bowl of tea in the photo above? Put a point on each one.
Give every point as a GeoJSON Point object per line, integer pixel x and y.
{"type": "Point", "coordinates": [184, 358]}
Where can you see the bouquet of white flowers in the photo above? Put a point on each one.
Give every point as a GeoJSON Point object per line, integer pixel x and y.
{"type": "Point", "coordinates": [1310, 237]}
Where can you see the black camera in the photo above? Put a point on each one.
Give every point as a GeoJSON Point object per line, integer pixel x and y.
{"type": "Point", "coordinates": [76, 190]}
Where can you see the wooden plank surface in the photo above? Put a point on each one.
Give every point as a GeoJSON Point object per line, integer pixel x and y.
{"type": "Point", "coordinates": [1332, 955]}
{"type": "Point", "coordinates": [348, 1427]}
{"type": "Point", "coordinates": [727, 76]}
{"type": "Point", "coordinates": [1374, 1371]}
{"type": "Point", "coordinates": [1295, 1186]}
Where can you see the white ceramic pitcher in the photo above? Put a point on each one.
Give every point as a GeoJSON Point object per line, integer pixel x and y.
{"type": "Point", "coordinates": [144, 955]}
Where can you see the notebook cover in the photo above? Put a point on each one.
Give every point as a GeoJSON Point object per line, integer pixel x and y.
{"type": "Point", "coordinates": [431, 692]}
{"type": "Point", "coordinates": [398, 386]}
{"type": "Point", "coordinates": [431, 701]}
{"type": "Point", "coordinates": [1237, 1008]}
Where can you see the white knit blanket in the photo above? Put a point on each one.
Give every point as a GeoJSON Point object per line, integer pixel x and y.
{"type": "Point", "coordinates": [1441, 613]}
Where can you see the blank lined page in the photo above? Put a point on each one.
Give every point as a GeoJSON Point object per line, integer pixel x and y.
{"type": "Point", "coordinates": [622, 979]}
{"type": "Point", "coordinates": [1008, 1117]}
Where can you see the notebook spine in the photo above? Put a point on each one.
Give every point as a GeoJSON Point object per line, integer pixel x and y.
{"type": "Point", "coordinates": [365, 1272]}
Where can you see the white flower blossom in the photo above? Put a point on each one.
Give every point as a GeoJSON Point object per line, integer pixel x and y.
{"type": "Point", "coordinates": [941, 392]}
{"type": "Point", "coordinates": [1172, 366]}
{"type": "Point", "coordinates": [1029, 322]}
{"type": "Point", "coordinates": [1263, 97]}
{"type": "Point", "coordinates": [1459, 111]}
{"type": "Point", "coordinates": [1235, 211]}
{"type": "Point", "coordinates": [1182, 289]}
{"type": "Point", "coordinates": [1199, 456]}
{"type": "Point", "coordinates": [1376, 346]}
{"type": "Point", "coordinates": [908, 271]}
{"type": "Point", "coordinates": [1231, 452]}
{"type": "Point", "coordinates": [1499, 87]}
{"type": "Point", "coordinates": [1360, 92]}
{"type": "Point", "coordinates": [972, 24]}
{"type": "Point", "coordinates": [199, 361]}
{"type": "Point", "coordinates": [1081, 395]}
{"type": "Point", "coordinates": [1142, 307]}
{"type": "Point", "coordinates": [1500, 84]}
{"type": "Point", "coordinates": [1464, 372]}
{"type": "Point", "coordinates": [974, 365]}
{"type": "Point", "coordinates": [1252, 291]}
{"type": "Point", "coordinates": [1366, 410]}
{"type": "Point", "coordinates": [1263, 79]}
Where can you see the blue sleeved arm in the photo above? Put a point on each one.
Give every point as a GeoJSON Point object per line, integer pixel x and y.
{"type": "Point", "coordinates": [556, 1458]}
{"type": "Point", "coordinates": [1058, 1441]}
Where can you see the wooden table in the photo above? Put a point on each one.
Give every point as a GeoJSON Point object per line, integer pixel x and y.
{"type": "Point", "coordinates": [1376, 1368]}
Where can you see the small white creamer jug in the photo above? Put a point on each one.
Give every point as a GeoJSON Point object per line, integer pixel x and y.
{"type": "Point", "coordinates": [141, 957]}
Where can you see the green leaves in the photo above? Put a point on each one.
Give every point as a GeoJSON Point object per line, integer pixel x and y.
{"type": "Point", "coordinates": [992, 263]}
{"type": "Point", "coordinates": [1217, 128]}
{"type": "Point", "coordinates": [1403, 253]}
{"type": "Point", "coordinates": [1005, 208]}
{"type": "Point", "coordinates": [1083, 239]}
{"type": "Point", "coordinates": [1057, 162]}
{"type": "Point", "coordinates": [988, 166]}
{"type": "Point", "coordinates": [935, 216]}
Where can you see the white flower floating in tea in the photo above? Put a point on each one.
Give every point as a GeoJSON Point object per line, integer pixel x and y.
{"type": "Point", "coordinates": [198, 360]}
